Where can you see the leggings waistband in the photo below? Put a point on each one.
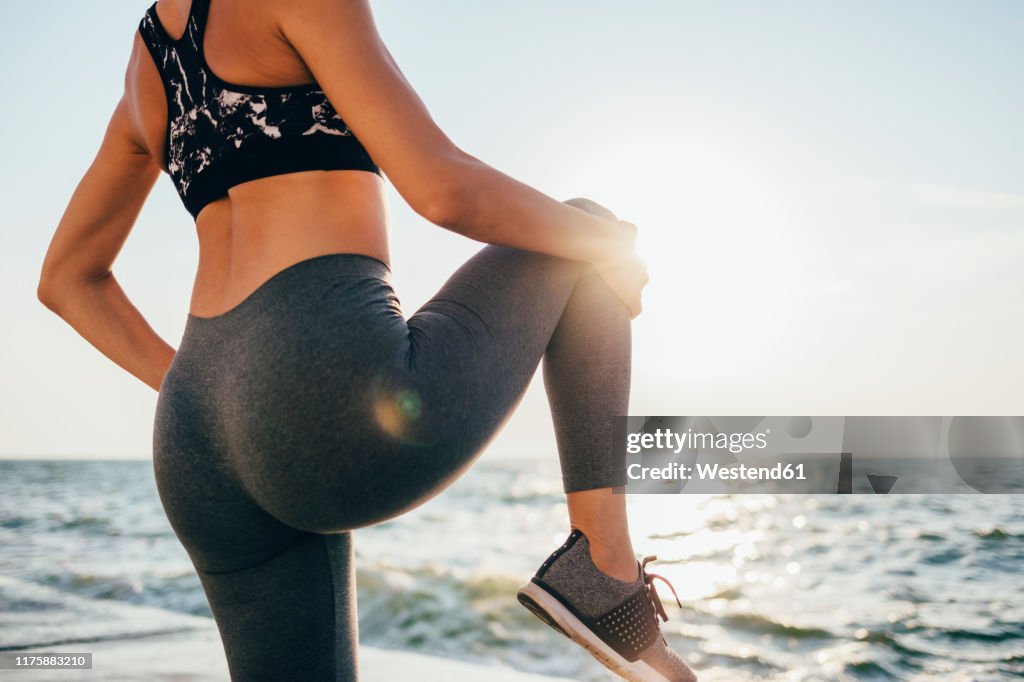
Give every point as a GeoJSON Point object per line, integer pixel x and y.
{"type": "Point", "coordinates": [312, 270]}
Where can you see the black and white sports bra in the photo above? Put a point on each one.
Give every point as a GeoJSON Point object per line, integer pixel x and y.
{"type": "Point", "coordinates": [220, 134]}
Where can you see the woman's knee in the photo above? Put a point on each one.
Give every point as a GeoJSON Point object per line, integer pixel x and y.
{"type": "Point", "coordinates": [591, 206]}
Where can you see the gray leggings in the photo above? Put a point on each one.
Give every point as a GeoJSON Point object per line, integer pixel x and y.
{"type": "Point", "coordinates": [315, 407]}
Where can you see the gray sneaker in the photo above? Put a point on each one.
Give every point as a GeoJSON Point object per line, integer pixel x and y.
{"type": "Point", "coordinates": [616, 621]}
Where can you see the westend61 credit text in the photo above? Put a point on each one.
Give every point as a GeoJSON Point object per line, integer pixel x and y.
{"type": "Point", "coordinates": [873, 455]}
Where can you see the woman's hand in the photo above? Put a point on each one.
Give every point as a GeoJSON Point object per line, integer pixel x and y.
{"type": "Point", "coordinates": [622, 270]}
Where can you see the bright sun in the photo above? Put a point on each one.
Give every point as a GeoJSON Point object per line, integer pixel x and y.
{"type": "Point", "coordinates": [716, 243]}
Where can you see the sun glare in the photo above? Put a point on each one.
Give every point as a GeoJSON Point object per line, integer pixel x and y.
{"type": "Point", "coordinates": [715, 240]}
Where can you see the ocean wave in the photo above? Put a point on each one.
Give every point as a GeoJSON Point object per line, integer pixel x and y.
{"type": "Point", "coordinates": [871, 669]}
{"type": "Point", "coordinates": [762, 624]}
{"type": "Point", "coordinates": [57, 617]}
{"type": "Point", "coordinates": [993, 634]}
{"type": "Point", "coordinates": [929, 536]}
{"type": "Point", "coordinates": [997, 534]}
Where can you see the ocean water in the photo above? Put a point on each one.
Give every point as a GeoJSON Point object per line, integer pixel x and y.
{"type": "Point", "coordinates": [911, 587]}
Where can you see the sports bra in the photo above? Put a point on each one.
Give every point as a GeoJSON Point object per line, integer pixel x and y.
{"type": "Point", "coordinates": [220, 134]}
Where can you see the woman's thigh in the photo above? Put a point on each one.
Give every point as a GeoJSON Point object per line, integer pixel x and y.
{"type": "Point", "coordinates": [291, 617]}
{"type": "Point", "coordinates": [473, 349]}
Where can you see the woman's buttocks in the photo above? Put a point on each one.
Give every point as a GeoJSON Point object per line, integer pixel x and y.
{"type": "Point", "coordinates": [297, 355]}
{"type": "Point", "coordinates": [312, 401]}
{"type": "Point", "coordinates": [282, 386]}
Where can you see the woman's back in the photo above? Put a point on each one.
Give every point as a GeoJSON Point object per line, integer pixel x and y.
{"type": "Point", "coordinates": [262, 225]}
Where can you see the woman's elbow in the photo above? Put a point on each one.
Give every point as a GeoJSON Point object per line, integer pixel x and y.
{"type": "Point", "coordinates": [445, 207]}
{"type": "Point", "coordinates": [56, 285]}
{"type": "Point", "coordinates": [448, 199]}
{"type": "Point", "coordinates": [49, 289]}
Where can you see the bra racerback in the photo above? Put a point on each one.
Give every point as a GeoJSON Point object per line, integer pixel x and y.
{"type": "Point", "coordinates": [220, 134]}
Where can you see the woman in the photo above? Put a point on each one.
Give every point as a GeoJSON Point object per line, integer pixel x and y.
{"type": "Point", "coordinates": [301, 404]}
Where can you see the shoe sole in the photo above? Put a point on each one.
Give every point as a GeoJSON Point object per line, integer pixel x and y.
{"type": "Point", "coordinates": [541, 604]}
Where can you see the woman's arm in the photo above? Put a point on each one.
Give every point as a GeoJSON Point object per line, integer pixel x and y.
{"type": "Point", "coordinates": [339, 42]}
{"type": "Point", "coordinates": [76, 281]}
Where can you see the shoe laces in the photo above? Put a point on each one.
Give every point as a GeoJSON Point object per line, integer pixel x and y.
{"type": "Point", "coordinates": [652, 592]}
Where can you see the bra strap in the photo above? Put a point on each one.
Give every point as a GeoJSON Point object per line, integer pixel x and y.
{"type": "Point", "coordinates": [200, 12]}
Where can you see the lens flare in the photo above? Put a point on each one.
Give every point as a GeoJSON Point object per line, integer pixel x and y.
{"type": "Point", "coordinates": [396, 410]}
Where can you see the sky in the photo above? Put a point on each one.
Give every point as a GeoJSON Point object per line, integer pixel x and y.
{"type": "Point", "coordinates": [830, 198]}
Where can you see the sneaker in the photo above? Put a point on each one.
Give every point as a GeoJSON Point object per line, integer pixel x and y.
{"type": "Point", "coordinates": [616, 621]}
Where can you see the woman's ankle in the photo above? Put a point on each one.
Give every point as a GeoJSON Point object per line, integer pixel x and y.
{"type": "Point", "coordinates": [600, 514]}
{"type": "Point", "coordinates": [613, 558]}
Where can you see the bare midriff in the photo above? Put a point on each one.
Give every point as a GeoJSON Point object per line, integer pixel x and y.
{"type": "Point", "coordinates": [265, 225]}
